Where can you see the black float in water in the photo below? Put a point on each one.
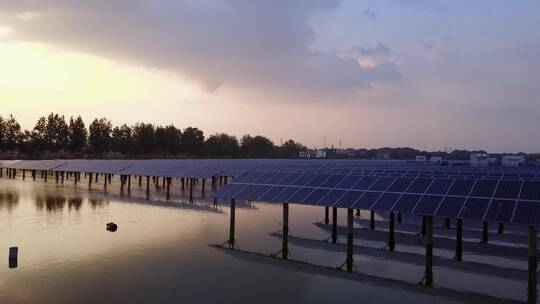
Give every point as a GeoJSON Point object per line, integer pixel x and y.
{"type": "Point", "coordinates": [13, 256]}
{"type": "Point", "coordinates": [112, 227]}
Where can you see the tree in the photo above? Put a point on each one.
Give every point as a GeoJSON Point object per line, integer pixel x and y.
{"type": "Point", "coordinates": [100, 135]}
{"type": "Point", "coordinates": [122, 139]}
{"type": "Point", "coordinates": [192, 141]}
{"type": "Point", "coordinates": [221, 144]}
{"type": "Point", "coordinates": [39, 133]}
{"type": "Point", "coordinates": [167, 140]}
{"type": "Point", "coordinates": [13, 133]}
{"type": "Point", "coordinates": [2, 133]}
{"type": "Point", "coordinates": [257, 146]}
{"type": "Point", "coordinates": [291, 148]}
{"type": "Point", "coordinates": [78, 135]}
{"type": "Point", "coordinates": [143, 137]}
{"type": "Point", "coordinates": [56, 133]}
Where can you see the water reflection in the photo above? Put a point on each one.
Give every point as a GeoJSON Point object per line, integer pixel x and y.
{"type": "Point", "coordinates": [97, 203]}
{"type": "Point", "coordinates": [75, 203]}
{"type": "Point", "coordinates": [9, 200]}
{"type": "Point", "coordinates": [50, 203]}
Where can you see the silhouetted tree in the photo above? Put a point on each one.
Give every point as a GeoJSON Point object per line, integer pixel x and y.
{"type": "Point", "coordinates": [122, 139]}
{"type": "Point", "coordinates": [192, 141]}
{"type": "Point", "coordinates": [100, 135]}
{"type": "Point", "coordinates": [257, 146]}
{"type": "Point", "coordinates": [291, 148]}
{"type": "Point", "coordinates": [78, 135]}
{"type": "Point", "coordinates": [167, 140]}
{"type": "Point", "coordinates": [143, 137]}
{"type": "Point", "coordinates": [221, 144]}
{"type": "Point", "coordinates": [57, 133]}
{"type": "Point", "coordinates": [39, 134]}
{"type": "Point", "coordinates": [2, 133]}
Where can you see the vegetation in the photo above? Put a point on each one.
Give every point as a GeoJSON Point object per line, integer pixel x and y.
{"type": "Point", "coordinates": [52, 136]}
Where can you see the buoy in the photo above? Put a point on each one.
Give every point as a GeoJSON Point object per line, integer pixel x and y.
{"type": "Point", "coordinates": [112, 226]}
{"type": "Point", "coordinates": [13, 256]}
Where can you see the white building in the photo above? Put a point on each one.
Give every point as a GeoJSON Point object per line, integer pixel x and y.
{"type": "Point", "coordinates": [421, 158]}
{"type": "Point", "coordinates": [436, 160]}
{"type": "Point", "coordinates": [304, 154]}
{"type": "Point", "coordinates": [512, 160]}
{"type": "Point", "coordinates": [320, 154]}
{"type": "Point", "coordinates": [479, 159]}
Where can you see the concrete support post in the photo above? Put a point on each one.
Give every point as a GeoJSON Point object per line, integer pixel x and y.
{"type": "Point", "coordinates": [423, 232]}
{"type": "Point", "coordinates": [391, 239]}
{"type": "Point", "coordinates": [334, 225]}
{"type": "Point", "coordinates": [350, 238]}
{"type": "Point", "coordinates": [484, 233]}
{"type": "Point", "coordinates": [500, 229]}
{"type": "Point", "coordinates": [231, 225]}
{"type": "Point", "coordinates": [285, 244]}
{"type": "Point", "coordinates": [428, 276]}
{"type": "Point", "coordinates": [326, 215]}
{"type": "Point", "coordinates": [148, 187]}
{"type": "Point", "coordinates": [168, 188]}
{"type": "Point", "coordinates": [459, 240]}
{"type": "Point", "coordinates": [447, 223]}
{"type": "Point", "coordinates": [372, 220]}
{"type": "Point", "coordinates": [90, 180]}
{"type": "Point", "coordinates": [191, 190]}
{"type": "Point", "coordinates": [531, 286]}
{"type": "Point", "coordinates": [399, 218]}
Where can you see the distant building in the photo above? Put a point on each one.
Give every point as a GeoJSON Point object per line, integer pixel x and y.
{"type": "Point", "coordinates": [304, 154]}
{"type": "Point", "coordinates": [421, 158]}
{"type": "Point", "coordinates": [383, 155]}
{"type": "Point", "coordinates": [479, 159]}
{"type": "Point", "coordinates": [512, 160]}
{"type": "Point", "coordinates": [320, 154]}
{"type": "Point", "coordinates": [436, 160]}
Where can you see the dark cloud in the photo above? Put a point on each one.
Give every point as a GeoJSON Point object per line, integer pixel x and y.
{"type": "Point", "coordinates": [241, 43]}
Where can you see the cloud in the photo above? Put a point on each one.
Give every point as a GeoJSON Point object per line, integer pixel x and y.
{"type": "Point", "coordinates": [379, 49]}
{"type": "Point", "coordinates": [370, 14]}
{"type": "Point", "coordinates": [237, 43]}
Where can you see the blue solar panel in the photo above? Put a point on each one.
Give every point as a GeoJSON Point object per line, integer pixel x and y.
{"type": "Point", "coordinates": [386, 202]}
{"type": "Point", "coordinates": [332, 181]}
{"type": "Point", "coordinates": [242, 177]}
{"type": "Point", "coordinates": [257, 194]}
{"type": "Point", "coordinates": [224, 191]}
{"type": "Point", "coordinates": [300, 195]}
{"type": "Point", "coordinates": [406, 203]}
{"type": "Point", "coordinates": [244, 194]}
{"type": "Point", "coordinates": [315, 196]}
{"type": "Point", "coordinates": [531, 190]}
{"type": "Point", "coordinates": [427, 205]}
{"type": "Point", "coordinates": [527, 213]}
{"type": "Point", "coordinates": [484, 188]}
{"type": "Point", "coordinates": [400, 185]}
{"type": "Point", "coordinates": [508, 189]}
{"type": "Point", "coordinates": [270, 194]}
{"type": "Point", "coordinates": [263, 178]}
{"type": "Point", "coordinates": [419, 185]}
{"type": "Point", "coordinates": [439, 186]}
{"type": "Point", "coordinates": [461, 187]}
{"type": "Point", "coordinates": [382, 184]}
{"type": "Point", "coordinates": [474, 208]}
{"type": "Point", "coordinates": [274, 180]}
{"type": "Point", "coordinates": [366, 201]}
{"type": "Point", "coordinates": [318, 180]}
{"type": "Point", "coordinates": [365, 182]}
{"type": "Point", "coordinates": [348, 182]}
{"type": "Point", "coordinates": [284, 195]}
{"type": "Point", "coordinates": [450, 206]}
{"type": "Point", "coordinates": [289, 179]}
{"type": "Point", "coordinates": [349, 199]}
{"type": "Point", "coordinates": [500, 210]}
{"type": "Point", "coordinates": [303, 179]}
{"type": "Point", "coordinates": [331, 198]}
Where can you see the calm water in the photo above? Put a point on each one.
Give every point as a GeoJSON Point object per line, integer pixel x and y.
{"type": "Point", "coordinates": [161, 253]}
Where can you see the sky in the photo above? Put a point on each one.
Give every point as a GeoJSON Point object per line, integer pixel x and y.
{"type": "Point", "coordinates": [428, 74]}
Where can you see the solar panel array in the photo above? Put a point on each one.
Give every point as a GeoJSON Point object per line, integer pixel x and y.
{"type": "Point", "coordinates": [515, 201]}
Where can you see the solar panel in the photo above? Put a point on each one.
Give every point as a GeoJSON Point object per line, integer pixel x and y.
{"type": "Point", "coordinates": [500, 210]}
{"type": "Point", "coordinates": [257, 194]}
{"type": "Point", "coordinates": [289, 179]}
{"type": "Point", "coordinates": [474, 208]}
{"type": "Point", "coordinates": [508, 189]}
{"type": "Point", "coordinates": [245, 193]}
{"type": "Point", "coordinates": [270, 194]}
{"type": "Point", "coordinates": [303, 179]}
{"type": "Point", "coordinates": [318, 180]}
{"type": "Point", "coordinates": [450, 206]}
{"type": "Point", "coordinates": [366, 201]}
{"type": "Point", "coordinates": [365, 183]}
{"type": "Point", "coordinates": [316, 196]}
{"type": "Point", "coordinates": [484, 188]}
{"type": "Point", "coordinates": [400, 185]}
{"type": "Point", "coordinates": [263, 178]}
{"type": "Point", "coordinates": [406, 203]}
{"type": "Point", "coordinates": [276, 179]}
{"type": "Point", "coordinates": [427, 205]}
{"type": "Point", "coordinates": [348, 182]}
{"type": "Point", "coordinates": [386, 202]}
{"type": "Point", "coordinates": [284, 195]}
{"type": "Point", "coordinates": [530, 190]}
{"type": "Point", "coordinates": [461, 187]}
{"type": "Point", "coordinates": [439, 186]}
{"type": "Point", "coordinates": [349, 199]}
{"type": "Point", "coordinates": [332, 181]}
{"type": "Point", "coordinates": [331, 198]}
{"type": "Point", "coordinates": [382, 184]}
{"type": "Point", "coordinates": [419, 185]}
{"type": "Point", "coordinates": [527, 213]}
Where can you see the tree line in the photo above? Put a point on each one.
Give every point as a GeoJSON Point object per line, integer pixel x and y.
{"type": "Point", "coordinates": [54, 136]}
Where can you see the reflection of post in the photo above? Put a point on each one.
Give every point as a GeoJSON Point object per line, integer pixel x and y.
{"type": "Point", "coordinates": [285, 245]}
{"type": "Point", "coordinates": [334, 225]}
{"type": "Point", "coordinates": [429, 251]}
{"type": "Point", "coordinates": [231, 226]}
{"type": "Point", "coordinates": [459, 242]}
{"type": "Point", "coordinates": [531, 288]}
{"type": "Point", "coordinates": [350, 238]}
